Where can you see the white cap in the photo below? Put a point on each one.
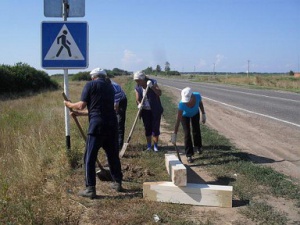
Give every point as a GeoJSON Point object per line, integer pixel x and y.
{"type": "Point", "coordinates": [139, 75]}
{"type": "Point", "coordinates": [97, 72]}
{"type": "Point", "coordinates": [186, 94]}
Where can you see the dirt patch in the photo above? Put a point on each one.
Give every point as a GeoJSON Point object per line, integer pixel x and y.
{"type": "Point", "coordinates": [268, 142]}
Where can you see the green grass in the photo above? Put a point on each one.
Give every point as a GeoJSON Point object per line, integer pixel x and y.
{"type": "Point", "coordinates": [262, 213]}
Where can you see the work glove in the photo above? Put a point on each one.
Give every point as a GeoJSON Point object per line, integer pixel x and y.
{"type": "Point", "coordinates": [149, 84]}
{"type": "Point", "coordinates": [140, 105]}
{"type": "Point", "coordinates": [203, 118]}
{"type": "Point", "coordinates": [173, 138]}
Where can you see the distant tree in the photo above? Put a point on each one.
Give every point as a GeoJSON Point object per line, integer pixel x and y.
{"type": "Point", "coordinates": [158, 68]}
{"type": "Point", "coordinates": [167, 67]}
{"type": "Point", "coordinates": [116, 72]}
{"type": "Point", "coordinates": [291, 73]}
{"type": "Point", "coordinates": [173, 72]}
{"type": "Point", "coordinates": [149, 70]}
{"type": "Point", "coordinates": [81, 76]}
{"type": "Point", "coordinates": [21, 78]}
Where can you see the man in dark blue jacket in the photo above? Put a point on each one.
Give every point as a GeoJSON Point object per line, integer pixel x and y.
{"type": "Point", "coordinates": [98, 97]}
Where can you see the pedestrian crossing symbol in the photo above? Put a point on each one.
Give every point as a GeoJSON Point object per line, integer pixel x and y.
{"type": "Point", "coordinates": [64, 45]}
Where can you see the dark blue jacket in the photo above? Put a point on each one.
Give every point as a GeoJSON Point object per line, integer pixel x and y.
{"type": "Point", "coordinates": [99, 96]}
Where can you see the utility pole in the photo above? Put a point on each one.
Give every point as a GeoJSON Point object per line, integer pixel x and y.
{"type": "Point", "coordinates": [248, 68]}
{"type": "Point", "coordinates": [298, 65]}
{"type": "Point", "coordinates": [214, 69]}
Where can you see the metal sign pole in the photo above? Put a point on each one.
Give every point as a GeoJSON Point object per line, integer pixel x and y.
{"type": "Point", "coordinates": [50, 53]}
{"type": "Point", "coordinates": [66, 85]}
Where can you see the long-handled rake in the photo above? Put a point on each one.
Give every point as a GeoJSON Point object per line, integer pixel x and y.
{"type": "Point", "coordinates": [102, 173]}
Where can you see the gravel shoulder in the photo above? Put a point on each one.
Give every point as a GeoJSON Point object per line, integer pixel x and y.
{"type": "Point", "coordinates": [269, 142]}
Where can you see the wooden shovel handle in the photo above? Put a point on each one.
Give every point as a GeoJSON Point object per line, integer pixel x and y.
{"type": "Point", "coordinates": [80, 128]}
{"type": "Point", "coordinates": [133, 126]}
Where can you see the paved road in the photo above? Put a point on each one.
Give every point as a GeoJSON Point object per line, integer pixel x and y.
{"type": "Point", "coordinates": [276, 105]}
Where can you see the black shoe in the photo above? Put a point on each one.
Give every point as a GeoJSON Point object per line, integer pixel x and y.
{"type": "Point", "coordinates": [199, 150]}
{"type": "Point", "coordinates": [190, 159]}
{"type": "Point", "coordinates": [117, 186]}
{"type": "Point", "coordinates": [89, 192]}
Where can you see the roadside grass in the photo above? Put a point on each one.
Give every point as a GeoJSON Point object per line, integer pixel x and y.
{"type": "Point", "coordinates": [262, 213]}
{"type": "Point", "coordinates": [32, 153]}
{"type": "Point", "coordinates": [39, 178]}
{"type": "Point", "coordinates": [277, 82]}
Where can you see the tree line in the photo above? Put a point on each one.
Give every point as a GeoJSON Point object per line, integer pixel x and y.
{"type": "Point", "coordinates": [119, 72]}
{"type": "Point", "coordinates": [22, 78]}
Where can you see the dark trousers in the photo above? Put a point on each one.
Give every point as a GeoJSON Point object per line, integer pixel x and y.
{"type": "Point", "coordinates": [109, 143]}
{"type": "Point", "coordinates": [121, 115]}
{"type": "Point", "coordinates": [196, 132]}
{"type": "Point", "coordinates": [151, 122]}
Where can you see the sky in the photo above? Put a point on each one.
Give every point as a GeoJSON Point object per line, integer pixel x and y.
{"type": "Point", "coordinates": [192, 35]}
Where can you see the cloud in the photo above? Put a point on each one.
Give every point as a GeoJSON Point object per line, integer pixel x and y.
{"type": "Point", "coordinates": [130, 60]}
{"type": "Point", "coordinates": [201, 63]}
{"type": "Point", "coordinates": [219, 58]}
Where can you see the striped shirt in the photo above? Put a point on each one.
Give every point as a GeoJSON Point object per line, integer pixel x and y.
{"type": "Point", "coordinates": [119, 93]}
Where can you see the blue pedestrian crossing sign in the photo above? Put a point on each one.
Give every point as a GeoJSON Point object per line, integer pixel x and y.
{"type": "Point", "coordinates": [64, 45]}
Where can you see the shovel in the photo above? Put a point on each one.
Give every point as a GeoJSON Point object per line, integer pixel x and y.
{"type": "Point", "coordinates": [102, 173]}
{"type": "Point", "coordinates": [125, 145]}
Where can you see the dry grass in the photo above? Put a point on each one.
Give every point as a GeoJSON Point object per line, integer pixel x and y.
{"type": "Point", "coordinates": [33, 159]}
{"type": "Point", "coordinates": [281, 82]}
{"type": "Point", "coordinates": [37, 182]}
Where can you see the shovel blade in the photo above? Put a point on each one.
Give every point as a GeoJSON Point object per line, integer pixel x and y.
{"type": "Point", "coordinates": [125, 145]}
{"type": "Point", "coordinates": [104, 175]}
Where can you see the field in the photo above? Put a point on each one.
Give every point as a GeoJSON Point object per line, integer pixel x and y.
{"type": "Point", "coordinates": [40, 178]}
{"type": "Point", "coordinates": [266, 81]}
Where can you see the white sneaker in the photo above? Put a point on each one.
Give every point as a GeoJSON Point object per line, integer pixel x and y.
{"type": "Point", "coordinates": [155, 149]}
